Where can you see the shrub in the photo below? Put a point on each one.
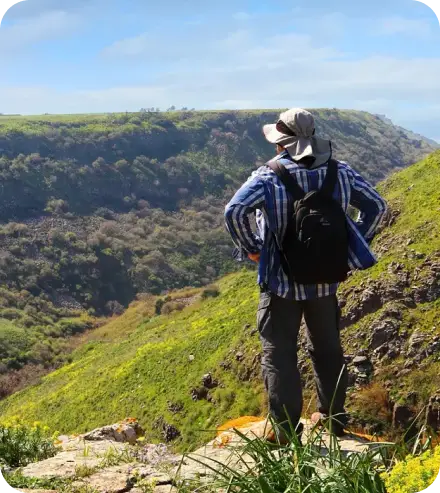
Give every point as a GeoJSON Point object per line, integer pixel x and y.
{"type": "Point", "coordinates": [114, 308]}
{"type": "Point", "coordinates": [372, 405]}
{"type": "Point", "coordinates": [15, 229]}
{"type": "Point", "coordinates": [414, 474]}
{"type": "Point", "coordinates": [172, 306]}
{"type": "Point", "coordinates": [57, 206]}
{"type": "Point", "coordinates": [105, 213]}
{"type": "Point", "coordinates": [158, 306]}
{"type": "Point", "coordinates": [21, 444]}
{"type": "Point", "coordinates": [210, 292]}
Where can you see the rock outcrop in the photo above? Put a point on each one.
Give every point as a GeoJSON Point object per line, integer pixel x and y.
{"type": "Point", "coordinates": [107, 465]}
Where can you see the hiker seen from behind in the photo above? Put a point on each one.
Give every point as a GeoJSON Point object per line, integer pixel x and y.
{"type": "Point", "coordinates": [305, 244]}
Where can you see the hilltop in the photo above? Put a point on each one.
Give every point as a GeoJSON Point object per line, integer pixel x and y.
{"type": "Point", "coordinates": [184, 373]}
{"type": "Point", "coordinates": [96, 209]}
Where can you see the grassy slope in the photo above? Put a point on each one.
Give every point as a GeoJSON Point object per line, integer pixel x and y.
{"type": "Point", "coordinates": [414, 194]}
{"type": "Point", "coordinates": [139, 373]}
{"type": "Point", "coordinates": [139, 364]}
{"type": "Point", "coordinates": [154, 237]}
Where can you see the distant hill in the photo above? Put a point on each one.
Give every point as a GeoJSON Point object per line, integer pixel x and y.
{"type": "Point", "coordinates": [96, 209]}
{"type": "Point", "coordinates": [199, 367]}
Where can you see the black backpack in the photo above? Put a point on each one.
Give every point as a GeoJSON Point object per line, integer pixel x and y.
{"type": "Point", "coordinates": [315, 246]}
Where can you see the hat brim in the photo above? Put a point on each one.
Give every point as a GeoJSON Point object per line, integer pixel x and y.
{"type": "Point", "coordinates": [300, 147]}
{"type": "Point", "coordinates": [272, 134]}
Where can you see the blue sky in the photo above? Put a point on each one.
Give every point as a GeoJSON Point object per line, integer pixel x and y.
{"type": "Point", "coordinates": [75, 56]}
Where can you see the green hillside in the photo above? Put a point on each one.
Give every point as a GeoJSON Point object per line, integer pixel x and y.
{"type": "Point", "coordinates": [96, 209]}
{"type": "Point", "coordinates": [152, 367]}
{"type": "Point", "coordinates": [139, 373]}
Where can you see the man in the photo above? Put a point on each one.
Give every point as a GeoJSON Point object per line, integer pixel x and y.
{"type": "Point", "coordinates": [284, 300]}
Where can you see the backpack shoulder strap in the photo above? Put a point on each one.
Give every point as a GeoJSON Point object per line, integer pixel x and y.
{"type": "Point", "coordinates": [287, 179]}
{"type": "Point", "coordinates": [331, 178]}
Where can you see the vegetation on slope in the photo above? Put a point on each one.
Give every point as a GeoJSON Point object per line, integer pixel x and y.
{"type": "Point", "coordinates": [99, 208]}
{"type": "Point", "coordinates": [151, 371]}
{"type": "Point", "coordinates": [56, 266]}
{"type": "Point", "coordinates": [152, 366]}
{"type": "Point", "coordinates": [392, 311]}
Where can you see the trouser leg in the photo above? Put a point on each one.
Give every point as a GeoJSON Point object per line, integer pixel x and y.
{"type": "Point", "coordinates": [324, 345]}
{"type": "Point", "coordinates": [278, 323]}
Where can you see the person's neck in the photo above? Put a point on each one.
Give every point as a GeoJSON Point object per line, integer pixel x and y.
{"type": "Point", "coordinates": [284, 154]}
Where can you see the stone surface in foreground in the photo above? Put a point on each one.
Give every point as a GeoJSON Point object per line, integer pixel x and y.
{"type": "Point", "coordinates": [107, 466]}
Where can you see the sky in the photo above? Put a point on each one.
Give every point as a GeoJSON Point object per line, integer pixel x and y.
{"type": "Point", "coordinates": [94, 56]}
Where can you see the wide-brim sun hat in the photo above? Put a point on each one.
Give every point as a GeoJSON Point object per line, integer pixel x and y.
{"type": "Point", "coordinates": [295, 131]}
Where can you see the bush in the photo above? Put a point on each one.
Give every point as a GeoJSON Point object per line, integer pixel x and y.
{"type": "Point", "coordinates": [210, 292]}
{"type": "Point", "coordinates": [172, 306]}
{"type": "Point", "coordinates": [57, 206]}
{"type": "Point", "coordinates": [21, 444]}
{"type": "Point", "coordinates": [158, 306]}
{"type": "Point", "coordinates": [15, 229]}
{"type": "Point", "coordinates": [414, 474]}
{"type": "Point", "coordinates": [114, 308]}
{"type": "Point", "coordinates": [105, 213]}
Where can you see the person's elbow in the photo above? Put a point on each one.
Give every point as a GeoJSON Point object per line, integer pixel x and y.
{"type": "Point", "coordinates": [229, 213]}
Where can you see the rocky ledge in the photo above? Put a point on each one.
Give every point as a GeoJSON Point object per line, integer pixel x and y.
{"type": "Point", "coordinates": [115, 459]}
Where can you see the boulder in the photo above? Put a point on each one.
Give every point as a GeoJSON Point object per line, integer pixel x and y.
{"type": "Point", "coordinates": [415, 343]}
{"type": "Point", "coordinates": [128, 431]}
{"type": "Point", "coordinates": [383, 332]}
{"type": "Point", "coordinates": [170, 432]}
{"type": "Point", "coordinates": [209, 382]}
{"type": "Point", "coordinates": [360, 360]}
{"type": "Point", "coordinates": [198, 394]}
{"type": "Point", "coordinates": [239, 356]}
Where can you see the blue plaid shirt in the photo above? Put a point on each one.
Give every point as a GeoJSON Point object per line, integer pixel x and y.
{"type": "Point", "coordinates": [265, 195]}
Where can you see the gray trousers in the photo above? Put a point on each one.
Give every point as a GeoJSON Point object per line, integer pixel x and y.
{"type": "Point", "coordinates": [279, 322]}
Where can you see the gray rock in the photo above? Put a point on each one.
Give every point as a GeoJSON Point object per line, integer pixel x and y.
{"type": "Point", "coordinates": [415, 343]}
{"type": "Point", "coordinates": [433, 348]}
{"type": "Point", "coordinates": [209, 382]}
{"type": "Point", "coordinates": [127, 431]}
{"type": "Point", "coordinates": [239, 356]}
{"type": "Point", "coordinates": [114, 479]}
{"type": "Point", "coordinates": [383, 332]}
{"type": "Point", "coordinates": [359, 360]}
{"type": "Point", "coordinates": [381, 351]}
{"type": "Point", "coordinates": [73, 454]}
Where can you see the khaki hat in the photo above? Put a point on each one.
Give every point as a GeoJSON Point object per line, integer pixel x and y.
{"type": "Point", "coordinates": [295, 131]}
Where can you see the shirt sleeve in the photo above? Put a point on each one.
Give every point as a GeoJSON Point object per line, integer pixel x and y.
{"type": "Point", "coordinates": [370, 204]}
{"type": "Point", "coordinates": [246, 201]}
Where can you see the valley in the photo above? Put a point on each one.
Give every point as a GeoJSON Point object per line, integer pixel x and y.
{"type": "Point", "coordinates": [391, 335]}
{"type": "Point", "coordinates": [92, 227]}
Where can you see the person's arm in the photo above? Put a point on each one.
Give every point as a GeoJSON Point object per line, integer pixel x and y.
{"type": "Point", "coordinates": [246, 201]}
{"type": "Point", "coordinates": [370, 204]}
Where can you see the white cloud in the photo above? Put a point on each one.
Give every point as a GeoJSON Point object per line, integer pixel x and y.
{"type": "Point", "coordinates": [401, 25]}
{"type": "Point", "coordinates": [47, 26]}
{"type": "Point", "coordinates": [243, 70]}
{"type": "Point", "coordinates": [241, 16]}
{"type": "Point", "coordinates": [134, 46]}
